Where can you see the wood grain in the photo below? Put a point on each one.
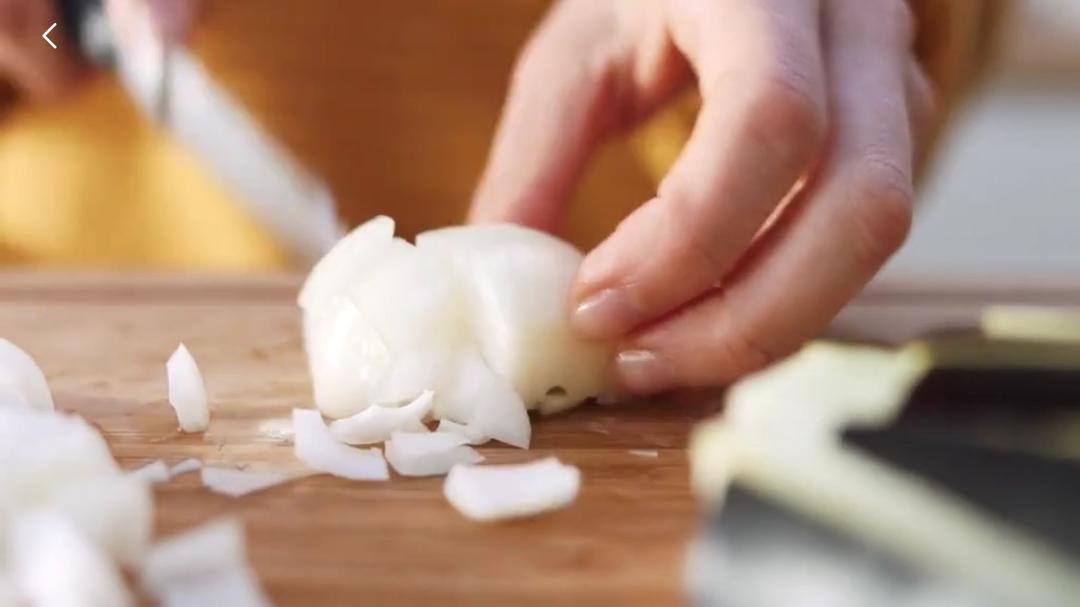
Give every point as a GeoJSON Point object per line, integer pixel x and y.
{"type": "Point", "coordinates": [103, 342]}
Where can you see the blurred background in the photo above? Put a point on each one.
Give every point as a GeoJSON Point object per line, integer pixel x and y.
{"type": "Point", "coordinates": [394, 105]}
{"type": "Point", "coordinates": [1003, 195]}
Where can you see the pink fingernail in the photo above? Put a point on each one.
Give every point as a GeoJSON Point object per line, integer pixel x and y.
{"type": "Point", "coordinates": [605, 314]}
{"type": "Point", "coordinates": [644, 371]}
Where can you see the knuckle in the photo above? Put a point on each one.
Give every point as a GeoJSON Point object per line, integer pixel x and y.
{"type": "Point", "coordinates": [740, 354]}
{"type": "Point", "coordinates": [702, 252]}
{"type": "Point", "coordinates": [882, 197]}
{"type": "Point", "coordinates": [900, 19]}
{"type": "Point", "coordinates": [787, 114]}
{"type": "Point", "coordinates": [893, 19]}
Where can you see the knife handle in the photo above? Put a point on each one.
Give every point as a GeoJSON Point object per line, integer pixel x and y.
{"type": "Point", "coordinates": [87, 26]}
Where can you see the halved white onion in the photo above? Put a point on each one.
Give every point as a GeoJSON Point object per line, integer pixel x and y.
{"type": "Point", "coordinates": [491, 493]}
{"type": "Point", "coordinates": [475, 314]}
{"type": "Point", "coordinates": [428, 454]}
{"type": "Point", "coordinates": [320, 451]}
{"type": "Point", "coordinates": [237, 483]}
{"type": "Point", "coordinates": [21, 379]}
{"type": "Point", "coordinates": [53, 564]}
{"type": "Point", "coordinates": [187, 392]}
{"type": "Point", "coordinates": [376, 423]}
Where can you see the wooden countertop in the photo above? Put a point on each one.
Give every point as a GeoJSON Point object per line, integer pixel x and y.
{"type": "Point", "coordinates": [103, 341]}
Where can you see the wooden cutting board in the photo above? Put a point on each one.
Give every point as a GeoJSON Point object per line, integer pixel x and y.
{"type": "Point", "coordinates": [103, 342]}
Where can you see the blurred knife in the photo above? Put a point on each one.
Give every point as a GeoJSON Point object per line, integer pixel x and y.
{"type": "Point", "coordinates": [172, 87]}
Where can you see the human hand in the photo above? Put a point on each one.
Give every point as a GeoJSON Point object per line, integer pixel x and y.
{"type": "Point", "coordinates": [793, 189]}
{"type": "Point", "coordinates": [41, 72]}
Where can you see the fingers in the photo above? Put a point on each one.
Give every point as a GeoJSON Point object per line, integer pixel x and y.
{"type": "Point", "coordinates": [589, 70]}
{"type": "Point", "coordinates": [921, 98]}
{"type": "Point", "coordinates": [853, 216]}
{"type": "Point", "coordinates": [553, 119]}
{"type": "Point", "coordinates": [37, 69]}
{"type": "Point", "coordinates": [761, 125]}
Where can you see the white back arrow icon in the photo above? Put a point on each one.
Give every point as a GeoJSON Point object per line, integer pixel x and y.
{"type": "Point", "coordinates": [46, 35]}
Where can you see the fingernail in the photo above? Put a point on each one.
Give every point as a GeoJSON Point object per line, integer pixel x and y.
{"type": "Point", "coordinates": [607, 313]}
{"type": "Point", "coordinates": [644, 371]}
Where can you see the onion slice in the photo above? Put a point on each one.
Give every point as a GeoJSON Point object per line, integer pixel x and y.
{"type": "Point", "coordinates": [376, 423]}
{"type": "Point", "coordinates": [237, 483]}
{"type": "Point", "coordinates": [491, 493]}
{"type": "Point", "coordinates": [187, 392]}
{"type": "Point", "coordinates": [651, 453]}
{"type": "Point", "coordinates": [428, 454]}
{"type": "Point", "coordinates": [316, 447]}
{"type": "Point", "coordinates": [53, 563]}
{"type": "Point", "coordinates": [206, 566]}
{"type": "Point", "coordinates": [189, 465]}
{"type": "Point", "coordinates": [21, 379]}
{"type": "Point", "coordinates": [472, 437]}
{"type": "Point", "coordinates": [153, 473]}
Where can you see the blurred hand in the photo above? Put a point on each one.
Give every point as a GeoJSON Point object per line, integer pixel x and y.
{"type": "Point", "coordinates": [41, 72]}
{"type": "Point", "coordinates": [793, 190]}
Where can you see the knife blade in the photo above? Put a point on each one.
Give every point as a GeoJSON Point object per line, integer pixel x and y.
{"type": "Point", "coordinates": [172, 88]}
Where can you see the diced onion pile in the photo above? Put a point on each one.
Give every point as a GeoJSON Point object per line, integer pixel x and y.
{"type": "Point", "coordinates": [71, 519]}
{"type": "Point", "coordinates": [467, 327]}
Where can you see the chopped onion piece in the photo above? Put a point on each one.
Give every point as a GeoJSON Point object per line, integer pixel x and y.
{"type": "Point", "coordinates": [206, 549]}
{"type": "Point", "coordinates": [473, 437]}
{"type": "Point", "coordinates": [515, 282]}
{"type": "Point", "coordinates": [428, 454]}
{"type": "Point", "coordinates": [316, 447]}
{"type": "Point", "coordinates": [233, 587]}
{"type": "Point", "coordinates": [645, 453]}
{"type": "Point", "coordinates": [21, 380]}
{"type": "Point", "coordinates": [59, 461]}
{"type": "Point", "coordinates": [153, 473]}
{"type": "Point", "coordinates": [189, 465]}
{"type": "Point", "coordinates": [488, 402]}
{"type": "Point", "coordinates": [204, 567]}
{"type": "Point", "coordinates": [53, 564]}
{"type": "Point", "coordinates": [114, 511]}
{"type": "Point", "coordinates": [236, 483]}
{"type": "Point", "coordinates": [187, 393]}
{"type": "Point", "coordinates": [491, 493]}
{"type": "Point", "coordinates": [376, 423]}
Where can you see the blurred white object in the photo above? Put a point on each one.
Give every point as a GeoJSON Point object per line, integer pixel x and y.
{"type": "Point", "coordinates": [58, 461]}
{"type": "Point", "coordinates": [172, 86]}
{"type": "Point", "coordinates": [204, 567]}
{"type": "Point", "coordinates": [21, 380]}
{"type": "Point", "coordinates": [54, 565]}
